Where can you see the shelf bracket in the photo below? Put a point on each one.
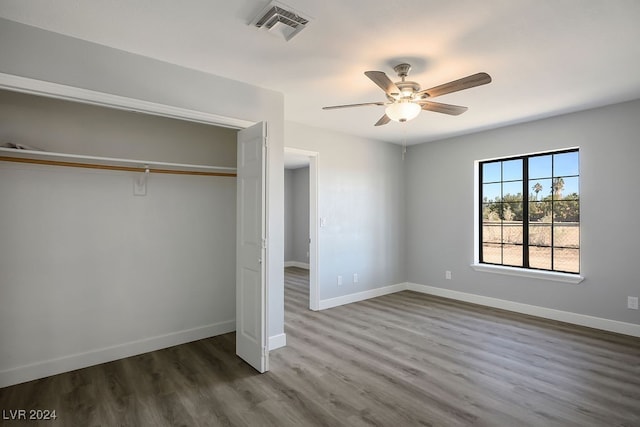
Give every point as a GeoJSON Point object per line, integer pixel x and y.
{"type": "Point", "coordinates": [140, 183]}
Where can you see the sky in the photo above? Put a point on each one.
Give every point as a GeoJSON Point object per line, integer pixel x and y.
{"type": "Point", "coordinates": [542, 169]}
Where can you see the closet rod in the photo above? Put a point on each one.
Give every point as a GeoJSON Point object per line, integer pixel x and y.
{"type": "Point", "coordinates": [110, 167]}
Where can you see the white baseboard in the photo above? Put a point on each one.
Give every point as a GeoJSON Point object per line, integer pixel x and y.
{"type": "Point", "coordinates": [534, 310]}
{"type": "Point", "coordinates": [72, 362]}
{"type": "Point", "coordinates": [361, 296]}
{"type": "Point", "coordinates": [277, 341]}
{"type": "Point", "coordinates": [296, 264]}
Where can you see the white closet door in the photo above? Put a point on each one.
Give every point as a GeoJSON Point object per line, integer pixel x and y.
{"type": "Point", "coordinates": [251, 301]}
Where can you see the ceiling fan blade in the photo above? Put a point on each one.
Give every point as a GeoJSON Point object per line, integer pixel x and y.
{"type": "Point", "coordinates": [383, 120]}
{"type": "Point", "coordinates": [468, 82]}
{"type": "Point", "coordinates": [334, 107]}
{"type": "Point", "coordinates": [438, 107]}
{"type": "Point", "coordinates": [385, 83]}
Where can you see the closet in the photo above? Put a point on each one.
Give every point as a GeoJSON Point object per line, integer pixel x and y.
{"type": "Point", "coordinates": [117, 238]}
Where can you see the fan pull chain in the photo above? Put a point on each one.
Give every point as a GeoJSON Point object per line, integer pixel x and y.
{"type": "Point", "coordinates": [404, 142]}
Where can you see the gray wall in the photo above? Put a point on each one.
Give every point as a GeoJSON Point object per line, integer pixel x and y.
{"type": "Point", "coordinates": [43, 55]}
{"type": "Point", "coordinates": [288, 215]}
{"type": "Point", "coordinates": [84, 264]}
{"type": "Point", "coordinates": [300, 215]}
{"type": "Point", "coordinates": [296, 230]}
{"type": "Point", "coordinates": [70, 127]}
{"type": "Point", "coordinates": [361, 195]}
{"type": "Point", "coordinates": [440, 219]}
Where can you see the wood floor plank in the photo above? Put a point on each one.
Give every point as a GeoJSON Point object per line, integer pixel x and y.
{"type": "Point", "coordinates": [405, 359]}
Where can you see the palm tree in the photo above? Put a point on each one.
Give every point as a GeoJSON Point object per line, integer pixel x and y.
{"type": "Point", "coordinates": [557, 187]}
{"type": "Point", "coordinates": [536, 189]}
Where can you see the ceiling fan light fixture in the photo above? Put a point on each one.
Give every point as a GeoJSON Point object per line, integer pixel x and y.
{"type": "Point", "coordinates": [403, 111]}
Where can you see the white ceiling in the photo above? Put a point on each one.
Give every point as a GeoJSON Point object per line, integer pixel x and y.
{"type": "Point", "coordinates": [546, 57]}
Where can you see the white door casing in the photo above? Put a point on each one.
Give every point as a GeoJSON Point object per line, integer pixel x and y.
{"type": "Point", "coordinates": [251, 313]}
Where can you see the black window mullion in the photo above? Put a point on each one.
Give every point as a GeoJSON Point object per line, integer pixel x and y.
{"type": "Point", "coordinates": [525, 212]}
{"type": "Point", "coordinates": [501, 213]}
{"type": "Point", "coordinates": [481, 239]}
{"type": "Point", "coordinates": [553, 211]}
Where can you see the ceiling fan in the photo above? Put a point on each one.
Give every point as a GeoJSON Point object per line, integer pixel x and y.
{"type": "Point", "coordinates": [406, 100]}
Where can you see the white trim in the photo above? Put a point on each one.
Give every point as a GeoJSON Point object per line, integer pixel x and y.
{"type": "Point", "coordinates": [277, 341]}
{"type": "Point", "coordinates": [476, 212]}
{"type": "Point", "coordinates": [534, 310]}
{"type": "Point", "coordinates": [533, 274]}
{"type": "Point", "coordinates": [70, 93]}
{"type": "Point", "coordinates": [361, 296]}
{"type": "Point", "coordinates": [296, 264]}
{"type": "Point", "coordinates": [72, 362]}
{"type": "Point", "coordinates": [267, 250]}
{"type": "Point", "coordinates": [314, 235]}
{"type": "Point", "coordinates": [300, 152]}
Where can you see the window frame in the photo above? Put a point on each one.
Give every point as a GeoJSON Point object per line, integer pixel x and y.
{"type": "Point", "coordinates": [524, 270]}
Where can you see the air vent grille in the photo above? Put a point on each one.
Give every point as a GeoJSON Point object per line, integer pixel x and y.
{"type": "Point", "coordinates": [277, 18]}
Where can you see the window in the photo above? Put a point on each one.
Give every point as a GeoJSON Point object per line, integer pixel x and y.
{"type": "Point", "coordinates": [530, 212]}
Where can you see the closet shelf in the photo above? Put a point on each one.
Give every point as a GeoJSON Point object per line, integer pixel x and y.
{"type": "Point", "coordinates": [110, 163]}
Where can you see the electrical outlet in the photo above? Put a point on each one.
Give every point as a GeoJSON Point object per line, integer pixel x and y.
{"type": "Point", "coordinates": [355, 277]}
{"type": "Point", "coordinates": [339, 280]}
{"type": "Point", "coordinates": [447, 275]}
{"type": "Point", "coordinates": [632, 303]}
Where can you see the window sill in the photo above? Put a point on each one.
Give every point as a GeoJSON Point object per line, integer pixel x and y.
{"type": "Point", "coordinates": [535, 274]}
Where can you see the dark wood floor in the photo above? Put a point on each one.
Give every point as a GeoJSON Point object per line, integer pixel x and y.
{"type": "Point", "coordinates": [405, 359]}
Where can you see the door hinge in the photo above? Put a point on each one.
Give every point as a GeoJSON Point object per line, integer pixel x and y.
{"type": "Point", "coordinates": [265, 351]}
{"type": "Point", "coordinates": [264, 243]}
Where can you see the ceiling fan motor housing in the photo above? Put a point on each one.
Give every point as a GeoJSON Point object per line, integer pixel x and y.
{"type": "Point", "coordinates": [407, 88]}
{"type": "Point", "coordinates": [402, 70]}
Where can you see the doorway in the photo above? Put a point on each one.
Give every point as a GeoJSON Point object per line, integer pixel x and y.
{"type": "Point", "coordinates": [301, 216]}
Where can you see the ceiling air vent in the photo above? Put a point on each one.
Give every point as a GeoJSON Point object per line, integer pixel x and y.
{"type": "Point", "coordinates": [281, 20]}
